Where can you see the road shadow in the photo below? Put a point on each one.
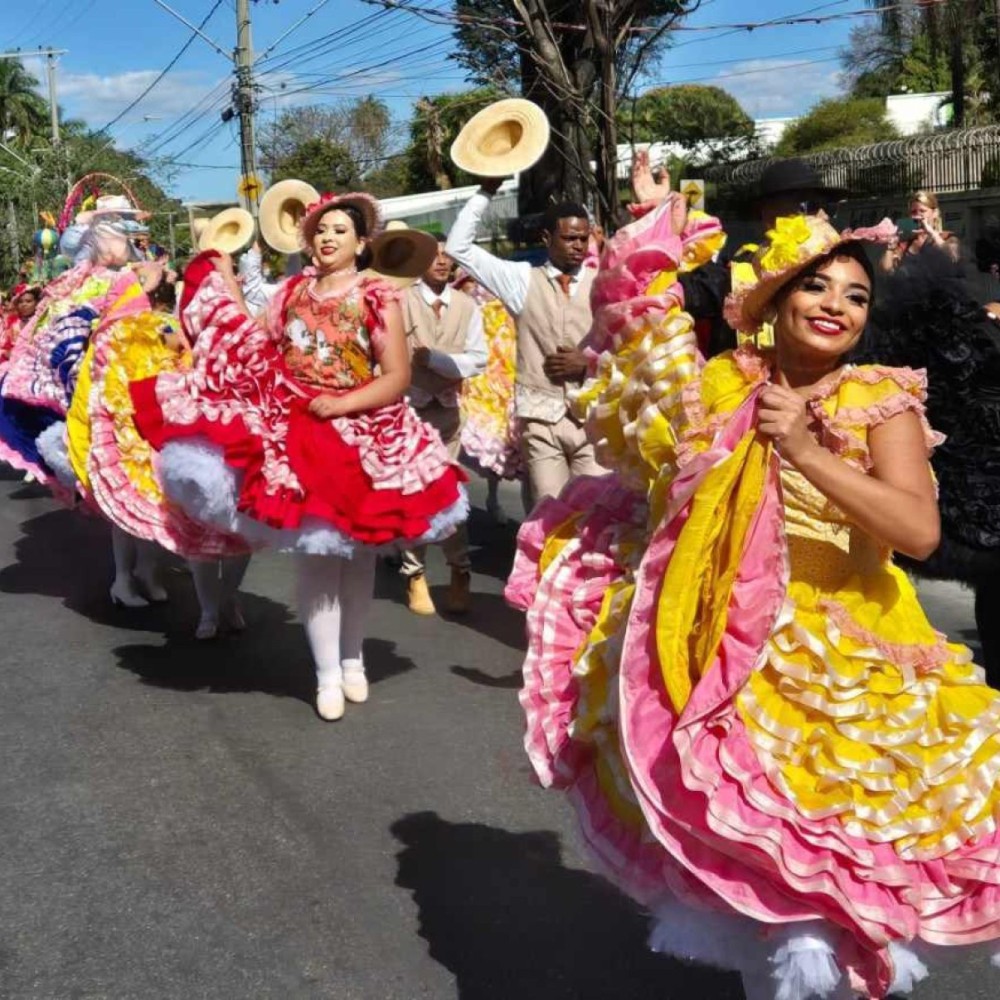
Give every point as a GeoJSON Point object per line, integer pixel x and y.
{"type": "Point", "coordinates": [511, 681]}
{"type": "Point", "coordinates": [66, 555]}
{"type": "Point", "coordinates": [271, 657]}
{"type": "Point", "coordinates": [503, 914]}
{"type": "Point", "coordinates": [489, 614]}
{"type": "Point", "coordinates": [492, 544]}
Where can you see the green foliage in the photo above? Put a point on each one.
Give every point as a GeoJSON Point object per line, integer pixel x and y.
{"type": "Point", "coordinates": [41, 182]}
{"type": "Point", "coordinates": [22, 109]}
{"type": "Point", "coordinates": [924, 68]}
{"type": "Point", "coordinates": [837, 123]}
{"type": "Point", "coordinates": [389, 178]}
{"type": "Point", "coordinates": [435, 124]}
{"type": "Point", "coordinates": [362, 127]}
{"type": "Point", "coordinates": [706, 120]}
{"type": "Point", "coordinates": [327, 165]}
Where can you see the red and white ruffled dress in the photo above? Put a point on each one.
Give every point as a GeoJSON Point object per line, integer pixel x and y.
{"type": "Point", "coordinates": [241, 452]}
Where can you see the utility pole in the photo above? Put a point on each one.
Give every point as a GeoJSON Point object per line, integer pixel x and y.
{"type": "Point", "coordinates": [244, 106]}
{"type": "Point", "coordinates": [173, 238]}
{"type": "Point", "coordinates": [53, 102]}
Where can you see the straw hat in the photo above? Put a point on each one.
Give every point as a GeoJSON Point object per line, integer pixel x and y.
{"type": "Point", "coordinates": [230, 230]}
{"type": "Point", "coordinates": [197, 228]}
{"type": "Point", "coordinates": [502, 139]}
{"type": "Point", "coordinates": [402, 254]}
{"type": "Point", "coordinates": [793, 245]}
{"type": "Point", "coordinates": [281, 212]}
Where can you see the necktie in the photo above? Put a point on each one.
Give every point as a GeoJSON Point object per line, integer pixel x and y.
{"type": "Point", "coordinates": [565, 280]}
{"type": "Point", "coordinates": [437, 305]}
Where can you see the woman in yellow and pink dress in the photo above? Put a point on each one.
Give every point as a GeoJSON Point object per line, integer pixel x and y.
{"type": "Point", "coordinates": [767, 743]}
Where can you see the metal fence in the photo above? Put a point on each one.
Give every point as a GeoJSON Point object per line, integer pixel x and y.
{"type": "Point", "coordinates": [951, 161]}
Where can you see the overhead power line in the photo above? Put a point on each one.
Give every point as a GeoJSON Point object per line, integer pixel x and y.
{"type": "Point", "coordinates": [166, 69]}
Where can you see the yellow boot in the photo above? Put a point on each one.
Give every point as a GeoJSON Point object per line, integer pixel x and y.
{"type": "Point", "coordinates": [458, 600]}
{"type": "Point", "coordinates": [419, 597]}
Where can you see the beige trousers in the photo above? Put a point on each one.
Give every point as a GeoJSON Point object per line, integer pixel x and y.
{"type": "Point", "coordinates": [554, 453]}
{"type": "Point", "coordinates": [447, 421]}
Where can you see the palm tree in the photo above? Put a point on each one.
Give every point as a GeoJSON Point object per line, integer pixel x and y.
{"type": "Point", "coordinates": [945, 24]}
{"type": "Point", "coordinates": [23, 112]}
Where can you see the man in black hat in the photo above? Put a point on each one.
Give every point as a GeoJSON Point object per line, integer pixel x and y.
{"type": "Point", "coordinates": [787, 187]}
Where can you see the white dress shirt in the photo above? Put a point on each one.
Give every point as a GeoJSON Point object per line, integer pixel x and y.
{"type": "Point", "coordinates": [257, 293]}
{"type": "Point", "coordinates": [508, 280]}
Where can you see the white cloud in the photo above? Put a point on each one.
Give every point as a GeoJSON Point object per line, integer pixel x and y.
{"type": "Point", "coordinates": [774, 88]}
{"type": "Point", "coordinates": [97, 99]}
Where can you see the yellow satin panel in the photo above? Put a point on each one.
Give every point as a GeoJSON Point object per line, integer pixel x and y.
{"type": "Point", "coordinates": [693, 604]}
{"type": "Point", "coordinates": [137, 351]}
{"type": "Point", "coordinates": [557, 540]}
{"type": "Point", "coordinates": [596, 720]}
{"type": "Point", "coordinates": [78, 421]}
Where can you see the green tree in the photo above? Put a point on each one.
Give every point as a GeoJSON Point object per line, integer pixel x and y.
{"type": "Point", "coordinates": [836, 123]}
{"type": "Point", "coordinates": [22, 110]}
{"type": "Point", "coordinates": [435, 124]}
{"type": "Point", "coordinates": [39, 181]}
{"type": "Point", "coordinates": [327, 165]}
{"type": "Point", "coordinates": [576, 59]}
{"type": "Point", "coordinates": [390, 178]}
{"type": "Point", "coordinates": [706, 120]}
{"type": "Point", "coordinates": [363, 128]}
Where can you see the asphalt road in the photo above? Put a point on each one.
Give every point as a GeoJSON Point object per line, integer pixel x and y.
{"type": "Point", "coordinates": [176, 822]}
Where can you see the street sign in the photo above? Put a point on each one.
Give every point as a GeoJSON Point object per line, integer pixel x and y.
{"type": "Point", "coordinates": [250, 187]}
{"type": "Point", "coordinates": [694, 191]}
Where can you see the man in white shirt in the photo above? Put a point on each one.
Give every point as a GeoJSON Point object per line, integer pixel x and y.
{"type": "Point", "coordinates": [551, 306]}
{"type": "Point", "coordinates": [444, 329]}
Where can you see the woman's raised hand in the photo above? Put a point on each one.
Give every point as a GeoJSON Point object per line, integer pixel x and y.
{"type": "Point", "coordinates": [645, 187]}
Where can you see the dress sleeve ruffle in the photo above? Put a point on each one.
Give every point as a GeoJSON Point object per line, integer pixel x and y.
{"type": "Point", "coordinates": [867, 396]}
{"type": "Point", "coordinates": [378, 294]}
{"type": "Point", "coordinates": [645, 352]}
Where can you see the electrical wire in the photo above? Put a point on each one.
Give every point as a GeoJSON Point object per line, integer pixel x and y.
{"type": "Point", "coordinates": [166, 69]}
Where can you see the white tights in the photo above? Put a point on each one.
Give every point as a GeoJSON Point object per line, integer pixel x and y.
{"type": "Point", "coordinates": [216, 582]}
{"type": "Point", "coordinates": [334, 597]}
{"type": "Point", "coordinates": [134, 558]}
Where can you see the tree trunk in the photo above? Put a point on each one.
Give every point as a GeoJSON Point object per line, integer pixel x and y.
{"type": "Point", "coordinates": [956, 59]}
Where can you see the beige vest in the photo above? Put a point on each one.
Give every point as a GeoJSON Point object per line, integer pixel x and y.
{"type": "Point", "coordinates": [548, 321]}
{"type": "Point", "coordinates": [446, 333]}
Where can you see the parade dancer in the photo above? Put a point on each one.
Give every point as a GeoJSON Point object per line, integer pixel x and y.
{"type": "Point", "coordinates": [768, 744]}
{"type": "Point", "coordinates": [491, 436]}
{"type": "Point", "coordinates": [551, 307]}
{"type": "Point", "coordinates": [116, 469]}
{"type": "Point", "coordinates": [444, 330]}
{"type": "Point", "coordinates": [298, 436]}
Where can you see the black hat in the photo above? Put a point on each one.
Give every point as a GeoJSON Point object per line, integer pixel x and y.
{"type": "Point", "coordinates": [790, 176]}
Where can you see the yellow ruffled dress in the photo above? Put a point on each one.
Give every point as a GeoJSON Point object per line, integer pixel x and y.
{"type": "Point", "coordinates": [737, 688]}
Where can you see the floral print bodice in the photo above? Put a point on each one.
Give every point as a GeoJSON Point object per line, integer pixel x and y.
{"type": "Point", "coordinates": [328, 340]}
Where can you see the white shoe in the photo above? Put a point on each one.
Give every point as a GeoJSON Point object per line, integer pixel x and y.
{"type": "Point", "coordinates": [330, 702]}
{"type": "Point", "coordinates": [208, 628]}
{"type": "Point", "coordinates": [355, 683]}
{"type": "Point", "coordinates": [123, 594]}
{"type": "Point", "coordinates": [29, 478]}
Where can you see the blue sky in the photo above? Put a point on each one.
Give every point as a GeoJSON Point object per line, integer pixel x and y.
{"type": "Point", "coordinates": [116, 48]}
